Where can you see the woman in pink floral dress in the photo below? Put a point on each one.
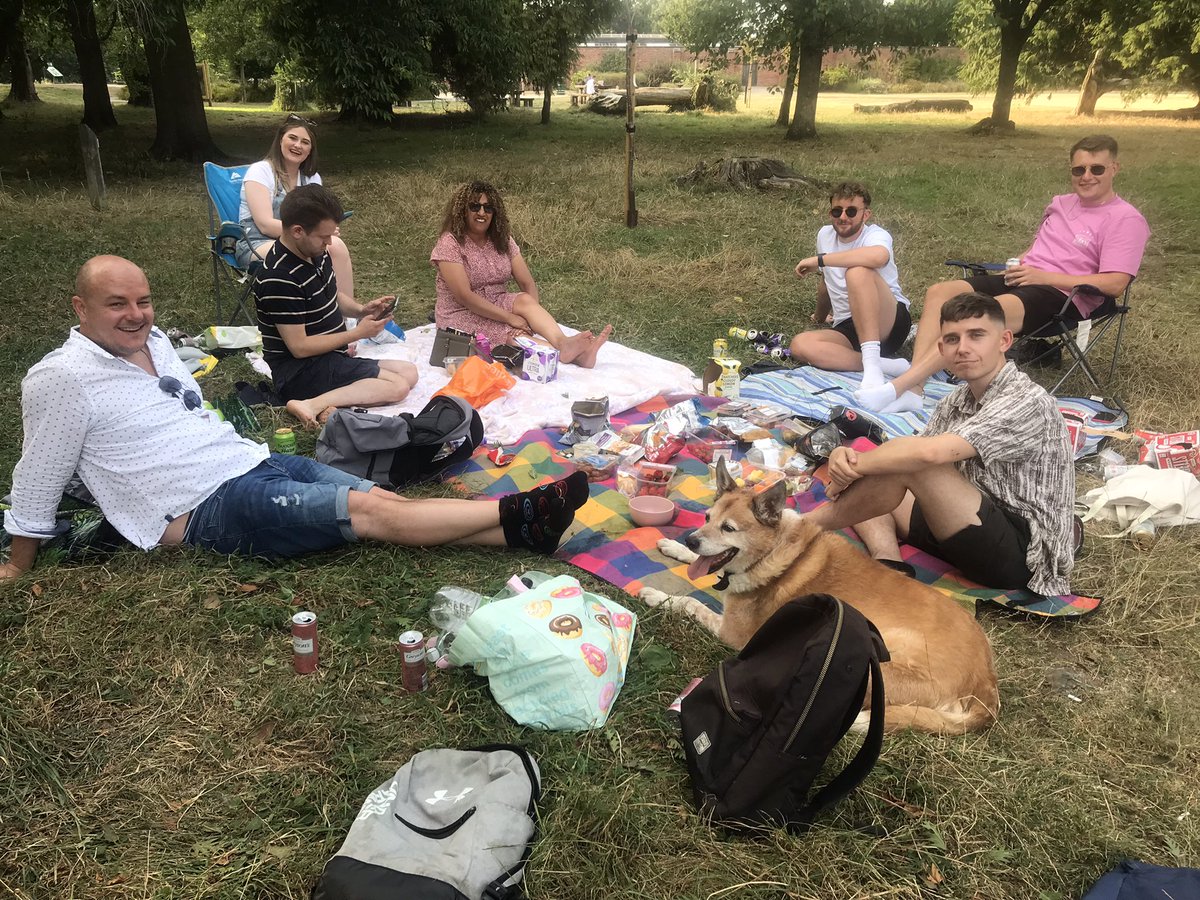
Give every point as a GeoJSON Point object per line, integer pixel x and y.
{"type": "Point", "coordinates": [476, 258]}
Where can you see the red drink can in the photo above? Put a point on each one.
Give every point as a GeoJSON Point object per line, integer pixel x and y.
{"type": "Point", "coordinates": [304, 642]}
{"type": "Point", "coordinates": [415, 674]}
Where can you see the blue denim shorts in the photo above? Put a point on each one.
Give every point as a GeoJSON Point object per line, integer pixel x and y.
{"type": "Point", "coordinates": [285, 506]}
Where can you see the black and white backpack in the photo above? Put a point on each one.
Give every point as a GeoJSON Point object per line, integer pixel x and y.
{"type": "Point", "coordinates": [449, 825]}
{"type": "Point", "coordinates": [397, 451]}
{"type": "Point", "coordinates": [757, 730]}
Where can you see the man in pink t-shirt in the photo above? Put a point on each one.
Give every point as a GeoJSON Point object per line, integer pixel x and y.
{"type": "Point", "coordinates": [1090, 236]}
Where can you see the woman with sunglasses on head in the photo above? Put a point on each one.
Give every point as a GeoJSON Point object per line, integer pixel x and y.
{"type": "Point", "coordinates": [476, 258]}
{"type": "Point", "coordinates": [290, 162]}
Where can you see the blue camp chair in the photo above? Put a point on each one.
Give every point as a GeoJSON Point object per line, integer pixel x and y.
{"type": "Point", "coordinates": [1059, 334]}
{"type": "Point", "coordinates": [224, 186]}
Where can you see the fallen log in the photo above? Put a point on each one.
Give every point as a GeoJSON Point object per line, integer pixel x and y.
{"type": "Point", "coordinates": [909, 106]}
{"type": "Point", "coordinates": [612, 103]}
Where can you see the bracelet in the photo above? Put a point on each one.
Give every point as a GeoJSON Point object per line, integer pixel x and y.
{"type": "Point", "coordinates": [820, 260]}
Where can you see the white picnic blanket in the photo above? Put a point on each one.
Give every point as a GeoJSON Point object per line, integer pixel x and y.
{"type": "Point", "coordinates": [624, 375]}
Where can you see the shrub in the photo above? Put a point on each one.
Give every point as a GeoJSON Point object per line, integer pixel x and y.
{"type": "Point", "coordinates": [657, 74]}
{"type": "Point", "coordinates": [835, 78]}
{"type": "Point", "coordinates": [231, 91]}
{"type": "Point", "coordinates": [612, 61]}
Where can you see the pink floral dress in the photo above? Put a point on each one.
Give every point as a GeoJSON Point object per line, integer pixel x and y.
{"type": "Point", "coordinates": [489, 273]}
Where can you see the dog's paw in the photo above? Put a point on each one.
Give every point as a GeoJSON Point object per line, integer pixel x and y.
{"type": "Point", "coordinates": [653, 596]}
{"type": "Point", "coordinates": [861, 721]}
{"type": "Point", "coordinates": [675, 550]}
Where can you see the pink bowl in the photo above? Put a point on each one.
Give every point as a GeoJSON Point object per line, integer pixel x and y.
{"type": "Point", "coordinates": [650, 510]}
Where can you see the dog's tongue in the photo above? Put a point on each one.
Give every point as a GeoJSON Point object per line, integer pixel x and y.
{"type": "Point", "coordinates": [701, 566]}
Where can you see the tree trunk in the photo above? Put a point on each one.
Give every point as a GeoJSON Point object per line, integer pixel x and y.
{"type": "Point", "coordinates": [97, 107]}
{"type": "Point", "coordinates": [808, 83]}
{"type": "Point", "coordinates": [1092, 88]}
{"type": "Point", "coordinates": [181, 130]}
{"type": "Point", "coordinates": [789, 81]}
{"type": "Point", "coordinates": [23, 90]}
{"type": "Point", "coordinates": [613, 102]}
{"type": "Point", "coordinates": [548, 92]}
{"type": "Point", "coordinates": [1012, 42]}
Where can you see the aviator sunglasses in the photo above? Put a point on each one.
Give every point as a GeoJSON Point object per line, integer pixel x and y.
{"type": "Point", "coordinates": [481, 207]}
{"type": "Point", "coordinates": [293, 119]}
{"type": "Point", "coordinates": [836, 212]}
{"type": "Point", "coordinates": [1097, 169]}
{"type": "Point", "coordinates": [169, 384]}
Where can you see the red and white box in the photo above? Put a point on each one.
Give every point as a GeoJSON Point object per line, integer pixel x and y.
{"type": "Point", "coordinates": [1179, 450]}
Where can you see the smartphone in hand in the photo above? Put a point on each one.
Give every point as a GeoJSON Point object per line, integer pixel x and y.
{"type": "Point", "coordinates": [386, 309]}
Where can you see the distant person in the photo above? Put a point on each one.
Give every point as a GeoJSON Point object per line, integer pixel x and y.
{"type": "Point", "coordinates": [1090, 236]}
{"type": "Point", "coordinates": [589, 85]}
{"type": "Point", "coordinates": [859, 292]}
{"type": "Point", "coordinates": [116, 405]}
{"type": "Point", "coordinates": [301, 316]}
{"type": "Point", "coordinates": [476, 258]}
{"type": "Point", "coordinates": [291, 161]}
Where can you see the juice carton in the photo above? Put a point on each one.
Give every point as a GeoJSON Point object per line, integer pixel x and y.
{"type": "Point", "coordinates": [541, 360]}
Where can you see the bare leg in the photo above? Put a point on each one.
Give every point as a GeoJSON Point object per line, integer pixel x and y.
{"type": "Point", "coordinates": [343, 269]}
{"type": "Point", "coordinates": [389, 387]}
{"type": "Point", "coordinates": [826, 349]}
{"type": "Point", "coordinates": [405, 370]}
{"type": "Point", "coordinates": [949, 503]}
{"type": "Point", "coordinates": [425, 523]}
{"type": "Point", "coordinates": [580, 348]}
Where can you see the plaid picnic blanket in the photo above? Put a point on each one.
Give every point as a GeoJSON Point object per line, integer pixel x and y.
{"type": "Point", "coordinates": [604, 542]}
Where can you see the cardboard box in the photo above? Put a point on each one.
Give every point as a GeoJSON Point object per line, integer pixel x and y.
{"type": "Point", "coordinates": [722, 378]}
{"type": "Point", "coordinates": [541, 360]}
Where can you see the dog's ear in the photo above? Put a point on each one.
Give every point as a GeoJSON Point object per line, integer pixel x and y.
{"type": "Point", "coordinates": [725, 481]}
{"type": "Point", "coordinates": [769, 505]}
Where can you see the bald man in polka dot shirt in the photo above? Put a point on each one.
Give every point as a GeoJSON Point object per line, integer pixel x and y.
{"type": "Point", "coordinates": [115, 406]}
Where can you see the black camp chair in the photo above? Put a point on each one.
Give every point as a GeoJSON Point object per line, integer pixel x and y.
{"type": "Point", "coordinates": [1060, 333]}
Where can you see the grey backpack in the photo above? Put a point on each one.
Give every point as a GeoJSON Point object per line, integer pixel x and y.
{"type": "Point", "coordinates": [396, 451]}
{"type": "Point", "coordinates": [450, 825]}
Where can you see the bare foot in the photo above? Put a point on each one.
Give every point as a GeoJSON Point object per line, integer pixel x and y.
{"type": "Point", "coordinates": [587, 359]}
{"type": "Point", "coordinates": [305, 413]}
{"type": "Point", "coordinates": [323, 415]}
{"type": "Point", "coordinates": [573, 346]}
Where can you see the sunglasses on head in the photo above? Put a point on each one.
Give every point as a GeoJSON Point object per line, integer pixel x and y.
{"type": "Point", "coordinates": [481, 207]}
{"type": "Point", "coordinates": [294, 119]}
{"type": "Point", "coordinates": [836, 212]}
{"type": "Point", "coordinates": [169, 384]}
{"type": "Point", "coordinates": [1096, 169]}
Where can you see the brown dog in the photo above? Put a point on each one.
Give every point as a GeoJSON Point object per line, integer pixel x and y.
{"type": "Point", "coordinates": [940, 677]}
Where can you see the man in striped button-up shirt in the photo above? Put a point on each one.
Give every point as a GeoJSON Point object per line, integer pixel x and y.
{"type": "Point", "coordinates": [989, 484]}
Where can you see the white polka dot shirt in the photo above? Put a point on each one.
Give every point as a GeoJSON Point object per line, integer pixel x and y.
{"type": "Point", "coordinates": [144, 456]}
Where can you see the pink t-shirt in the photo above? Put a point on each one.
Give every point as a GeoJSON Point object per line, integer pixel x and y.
{"type": "Point", "coordinates": [1089, 240]}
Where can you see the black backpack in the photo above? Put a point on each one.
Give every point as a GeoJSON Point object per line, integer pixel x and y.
{"type": "Point", "coordinates": [758, 729]}
{"type": "Point", "coordinates": [397, 451]}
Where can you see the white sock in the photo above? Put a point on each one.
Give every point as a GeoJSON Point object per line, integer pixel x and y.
{"type": "Point", "coordinates": [894, 367]}
{"type": "Point", "coordinates": [876, 398]}
{"type": "Point", "coordinates": [906, 402]}
{"type": "Point", "coordinates": [872, 373]}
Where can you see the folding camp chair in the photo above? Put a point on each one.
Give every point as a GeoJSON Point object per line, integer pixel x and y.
{"type": "Point", "coordinates": [1061, 332]}
{"type": "Point", "coordinates": [224, 186]}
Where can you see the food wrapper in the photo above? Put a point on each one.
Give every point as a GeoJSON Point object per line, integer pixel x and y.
{"type": "Point", "coordinates": [667, 434]}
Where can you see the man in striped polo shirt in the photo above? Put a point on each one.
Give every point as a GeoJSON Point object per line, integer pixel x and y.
{"type": "Point", "coordinates": [988, 486]}
{"type": "Point", "coordinates": [301, 317]}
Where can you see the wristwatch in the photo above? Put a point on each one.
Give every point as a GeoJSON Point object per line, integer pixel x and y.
{"type": "Point", "coordinates": [820, 260]}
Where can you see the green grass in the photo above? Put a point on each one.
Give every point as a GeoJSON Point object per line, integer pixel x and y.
{"type": "Point", "coordinates": [155, 743]}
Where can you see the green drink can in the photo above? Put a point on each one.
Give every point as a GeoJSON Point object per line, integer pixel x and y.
{"type": "Point", "coordinates": [285, 440]}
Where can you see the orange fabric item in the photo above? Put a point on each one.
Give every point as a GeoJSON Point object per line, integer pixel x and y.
{"type": "Point", "coordinates": [479, 383]}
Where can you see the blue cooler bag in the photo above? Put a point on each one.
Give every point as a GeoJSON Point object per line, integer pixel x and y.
{"type": "Point", "coordinates": [554, 656]}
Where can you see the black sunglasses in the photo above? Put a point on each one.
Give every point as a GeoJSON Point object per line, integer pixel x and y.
{"type": "Point", "coordinates": [1096, 169]}
{"type": "Point", "coordinates": [481, 207]}
{"type": "Point", "coordinates": [169, 384]}
{"type": "Point", "coordinates": [294, 118]}
{"type": "Point", "coordinates": [836, 212]}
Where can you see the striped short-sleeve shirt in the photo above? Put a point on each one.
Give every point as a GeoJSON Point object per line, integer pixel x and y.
{"type": "Point", "coordinates": [293, 291]}
{"type": "Point", "coordinates": [1024, 463]}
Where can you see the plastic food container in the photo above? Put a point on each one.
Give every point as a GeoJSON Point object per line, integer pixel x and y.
{"type": "Point", "coordinates": [645, 479]}
{"type": "Point", "coordinates": [707, 443]}
{"type": "Point", "coordinates": [452, 363]}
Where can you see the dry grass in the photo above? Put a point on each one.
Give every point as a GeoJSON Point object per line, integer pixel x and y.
{"type": "Point", "coordinates": [154, 742]}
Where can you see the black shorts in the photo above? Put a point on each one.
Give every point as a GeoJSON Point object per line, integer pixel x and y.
{"type": "Point", "coordinates": [992, 552]}
{"type": "Point", "coordinates": [891, 344]}
{"type": "Point", "coordinates": [1041, 301]}
{"type": "Point", "coordinates": [303, 379]}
